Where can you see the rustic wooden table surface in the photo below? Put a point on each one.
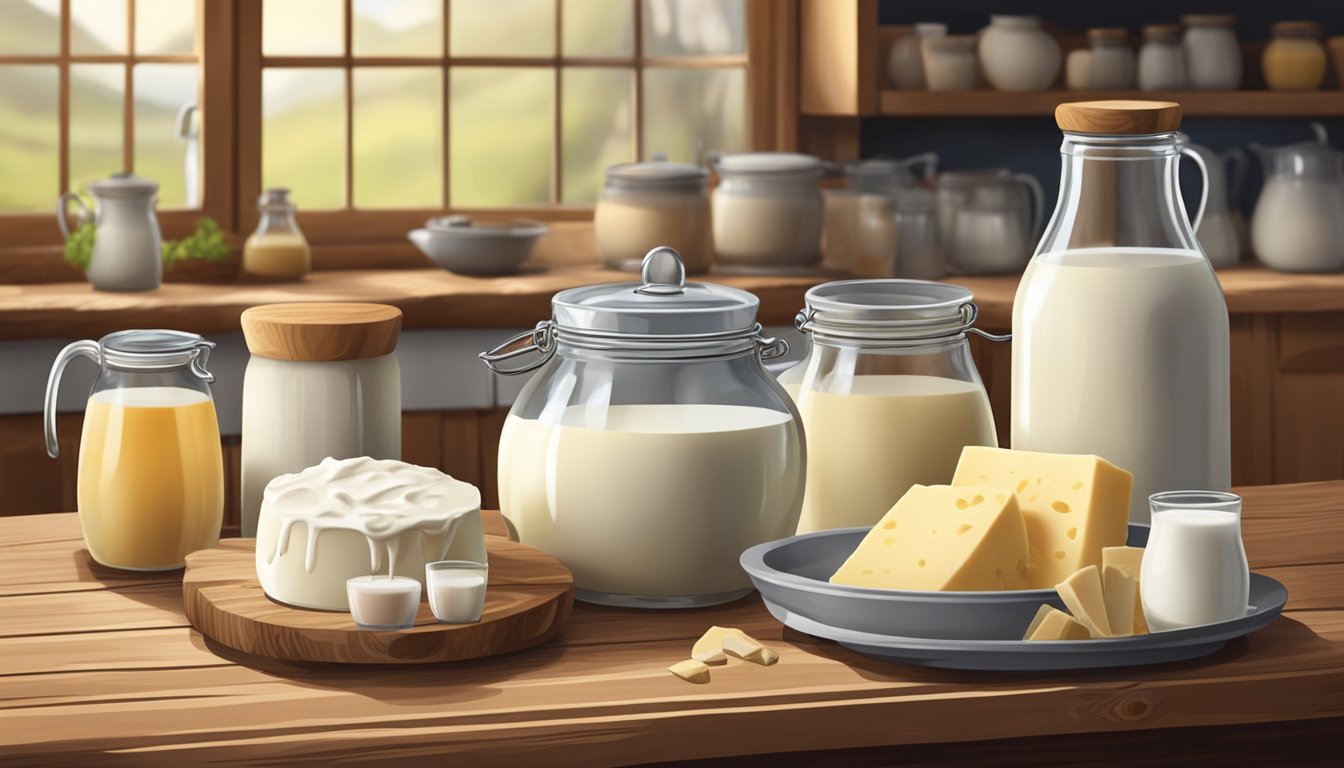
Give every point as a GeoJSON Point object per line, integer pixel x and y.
{"type": "Point", "coordinates": [101, 667]}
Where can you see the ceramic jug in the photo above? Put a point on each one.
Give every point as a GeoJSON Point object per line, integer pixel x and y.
{"type": "Point", "coordinates": [1217, 230]}
{"type": "Point", "coordinates": [1298, 225]}
{"type": "Point", "coordinates": [127, 249]}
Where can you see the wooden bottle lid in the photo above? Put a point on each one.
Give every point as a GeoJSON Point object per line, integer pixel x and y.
{"type": "Point", "coordinates": [321, 331]}
{"type": "Point", "coordinates": [1121, 117]}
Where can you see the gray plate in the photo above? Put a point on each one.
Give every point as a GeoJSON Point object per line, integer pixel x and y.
{"type": "Point", "coordinates": [962, 630]}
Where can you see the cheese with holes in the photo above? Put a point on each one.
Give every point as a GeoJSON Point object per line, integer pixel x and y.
{"type": "Point", "coordinates": [1118, 590]}
{"type": "Point", "coordinates": [942, 538]}
{"type": "Point", "coordinates": [1083, 595]}
{"type": "Point", "coordinates": [1073, 505]}
{"type": "Point", "coordinates": [1053, 624]}
{"type": "Point", "coordinates": [1130, 561]}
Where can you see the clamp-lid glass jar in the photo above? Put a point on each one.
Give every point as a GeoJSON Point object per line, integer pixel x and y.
{"type": "Point", "coordinates": [888, 393]}
{"type": "Point", "coordinates": [652, 447]}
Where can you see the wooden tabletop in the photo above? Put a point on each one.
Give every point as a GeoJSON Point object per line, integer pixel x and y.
{"type": "Point", "coordinates": [433, 298]}
{"type": "Point", "coordinates": [100, 666]}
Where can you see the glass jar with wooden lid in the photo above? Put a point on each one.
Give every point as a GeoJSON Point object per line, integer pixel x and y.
{"type": "Point", "coordinates": [1295, 59]}
{"type": "Point", "coordinates": [323, 380]}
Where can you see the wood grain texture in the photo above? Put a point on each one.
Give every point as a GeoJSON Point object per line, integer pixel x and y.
{"type": "Point", "coordinates": [118, 659]}
{"type": "Point", "coordinates": [321, 331]}
{"type": "Point", "coordinates": [1118, 116]}
{"type": "Point", "coordinates": [529, 598]}
{"type": "Point", "coordinates": [898, 103]}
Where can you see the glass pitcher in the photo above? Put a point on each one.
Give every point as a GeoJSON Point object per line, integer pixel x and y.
{"type": "Point", "coordinates": [151, 473]}
{"type": "Point", "coordinates": [1298, 225]}
{"type": "Point", "coordinates": [1120, 329]}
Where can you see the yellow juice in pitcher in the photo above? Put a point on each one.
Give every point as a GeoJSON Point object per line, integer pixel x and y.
{"type": "Point", "coordinates": [151, 477]}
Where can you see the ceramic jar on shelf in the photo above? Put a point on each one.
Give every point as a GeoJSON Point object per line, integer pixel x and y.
{"type": "Point", "coordinates": [1161, 59]}
{"type": "Point", "coordinates": [1078, 69]}
{"type": "Point", "coordinates": [648, 204]}
{"type": "Point", "coordinates": [766, 210]}
{"type": "Point", "coordinates": [1112, 66]}
{"type": "Point", "coordinates": [1295, 59]}
{"type": "Point", "coordinates": [1212, 52]}
{"type": "Point", "coordinates": [950, 63]}
{"type": "Point", "coordinates": [905, 62]}
{"type": "Point", "coordinates": [1018, 55]}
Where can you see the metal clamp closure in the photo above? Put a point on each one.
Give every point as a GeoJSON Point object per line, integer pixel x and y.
{"type": "Point", "coordinates": [900, 330]}
{"type": "Point", "coordinates": [541, 339]}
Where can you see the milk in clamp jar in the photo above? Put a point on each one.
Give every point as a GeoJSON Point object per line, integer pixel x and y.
{"type": "Point", "coordinates": [652, 446]}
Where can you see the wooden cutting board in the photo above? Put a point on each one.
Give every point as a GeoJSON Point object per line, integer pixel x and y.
{"type": "Point", "coordinates": [528, 597]}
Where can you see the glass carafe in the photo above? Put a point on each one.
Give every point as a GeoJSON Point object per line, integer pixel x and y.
{"type": "Point", "coordinates": [277, 250]}
{"type": "Point", "coordinates": [1120, 329]}
{"type": "Point", "coordinates": [151, 473]}
{"type": "Point", "coordinates": [888, 393]}
{"type": "Point", "coordinates": [1298, 225]}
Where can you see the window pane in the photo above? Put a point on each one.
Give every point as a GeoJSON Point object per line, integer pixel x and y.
{"type": "Point", "coordinates": [398, 28]}
{"type": "Point", "coordinates": [691, 111]}
{"type": "Point", "coordinates": [97, 103]}
{"type": "Point", "coordinates": [501, 134]}
{"type": "Point", "coordinates": [598, 27]}
{"type": "Point", "coordinates": [97, 26]}
{"type": "Point", "coordinates": [165, 27]}
{"type": "Point", "coordinates": [28, 137]}
{"type": "Point", "coordinates": [303, 134]}
{"type": "Point", "coordinates": [598, 128]}
{"type": "Point", "coordinates": [30, 27]}
{"type": "Point", "coordinates": [303, 28]}
{"type": "Point", "coordinates": [398, 139]}
{"type": "Point", "coordinates": [503, 28]}
{"type": "Point", "coordinates": [161, 91]}
{"type": "Point", "coordinates": [690, 27]}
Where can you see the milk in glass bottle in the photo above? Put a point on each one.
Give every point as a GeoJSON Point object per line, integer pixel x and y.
{"type": "Point", "coordinates": [1120, 329]}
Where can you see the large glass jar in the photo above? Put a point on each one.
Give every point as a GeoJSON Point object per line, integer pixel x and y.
{"type": "Point", "coordinates": [767, 210]}
{"type": "Point", "coordinates": [1120, 330]}
{"type": "Point", "coordinates": [652, 447]}
{"type": "Point", "coordinates": [888, 393]}
{"type": "Point", "coordinates": [323, 381]}
{"type": "Point", "coordinates": [277, 251]}
{"type": "Point", "coordinates": [649, 204]}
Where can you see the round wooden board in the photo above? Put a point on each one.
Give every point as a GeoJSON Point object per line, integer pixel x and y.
{"type": "Point", "coordinates": [529, 597]}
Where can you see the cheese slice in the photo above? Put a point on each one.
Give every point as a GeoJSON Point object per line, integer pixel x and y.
{"type": "Point", "coordinates": [1118, 591]}
{"type": "Point", "coordinates": [1083, 595]}
{"type": "Point", "coordinates": [1130, 561]}
{"type": "Point", "coordinates": [1073, 505]}
{"type": "Point", "coordinates": [1054, 624]}
{"type": "Point", "coordinates": [942, 538]}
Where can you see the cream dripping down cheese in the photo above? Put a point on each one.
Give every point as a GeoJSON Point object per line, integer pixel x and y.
{"type": "Point", "coordinates": [352, 517]}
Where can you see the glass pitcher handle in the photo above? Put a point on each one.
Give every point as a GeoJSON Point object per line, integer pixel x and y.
{"type": "Point", "coordinates": [1037, 202]}
{"type": "Point", "coordinates": [86, 348]}
{"type": "Point", "coordinates": [1204, 192]}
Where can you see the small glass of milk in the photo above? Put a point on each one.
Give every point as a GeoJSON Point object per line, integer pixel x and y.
{"type": "Point", "coordinates": [456, 590]}
{"type": "Point", "coordinates": [1194, 568]}
{"type": "Point", "coordinates": [383, 602]}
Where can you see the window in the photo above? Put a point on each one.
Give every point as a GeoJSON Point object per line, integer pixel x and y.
{"type": "Point", "coordinates": [92, 87]}
{"type": "Point", "coordinates": [506, 104]}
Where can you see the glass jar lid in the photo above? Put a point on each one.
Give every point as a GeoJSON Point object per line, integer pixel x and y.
{"type": "Point", "coordinates": [672, 177]}
{"type": "Point", "coordinates": [888, 310]}
{"type": "Point", "coordinates": [156, 349]}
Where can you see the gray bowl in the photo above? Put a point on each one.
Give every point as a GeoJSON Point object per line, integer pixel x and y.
{"type": "Point", "coordinates": [791, 574]}
{"type": "Point", "coordinates": [481, 250]}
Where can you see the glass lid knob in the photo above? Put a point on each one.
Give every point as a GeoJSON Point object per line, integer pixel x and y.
{"type": "Point", "coordinates": [663, 273]}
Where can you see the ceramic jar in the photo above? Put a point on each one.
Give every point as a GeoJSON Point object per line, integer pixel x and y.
{"type": "Point", "coordinates": [766, 210]}
{"type": "Point", "coordinates": [1018, 55]}
{"type": "Point", "coordinates": [1112, 60]}
{"type": "Point", "coordinates": [1161, 59]}
{"type": "Point", "coordinates": [645, 205]}
{"type": "Point", "coordinates": [1078, 69]}
{"type": "Point", "coordinates": [950, 63]}
{"type": "Point", "coordinates": [905, 63]}
{"type": "Point", "coordinates": [1212, 53]}
{"type": "Point", "coordinates": [1295, 59]}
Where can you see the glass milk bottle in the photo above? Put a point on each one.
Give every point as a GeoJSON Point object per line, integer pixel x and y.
{"type": "Point", "coordinates": [888, 394]}
{"type": "Point", "coordinates": [277, 250]}
{"type": "Point", "coordinates": [151, 472]}
{"type": "Point", "coordinates": [1120, 330]}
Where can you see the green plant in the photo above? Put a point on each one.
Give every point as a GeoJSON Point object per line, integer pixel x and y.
{"type": "Point", "coordinates": [79, 248]}
{"type": "Point", "coordinates": [206, 244]}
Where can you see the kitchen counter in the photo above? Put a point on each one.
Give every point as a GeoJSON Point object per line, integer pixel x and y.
{"type": "Point", "coordinates": [432, 298]}
{"type": "Point", "coordinates": [98, 666]}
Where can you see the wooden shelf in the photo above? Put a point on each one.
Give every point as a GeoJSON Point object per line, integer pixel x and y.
{"type": "Point", "coordinates": [987, 103]}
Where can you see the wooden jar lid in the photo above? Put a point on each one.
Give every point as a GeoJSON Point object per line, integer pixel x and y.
{"type": "Point", "coordinates": [1108, 33]}
{"type": "Point", "coordinates": [322, 331]}
{"type": "Point", "coordinates": [1118, 117]}
{"type": "Point", "coordinates": [1297, 29]}
{"type": "Point", "coordinates": [1209, 20]}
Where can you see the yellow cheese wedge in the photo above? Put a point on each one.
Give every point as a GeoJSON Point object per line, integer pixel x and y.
{"type": "Point", "coordinates": [1083, 595]}
{"type": "Point", "coordinates": [691, 671]}
{"type": "Point", "coordinates": [1118, 591]}
{"type": "Point", "coordinates": [1073, 505]}
{"type": "Point", "coordinates": [1054, 624]}
{"type": "Point", "coordinates": [711, 647]}
{"type": "Point", "coordinates": [1130, 561]}
{"type": "Point", "coordinates": [942, 538]}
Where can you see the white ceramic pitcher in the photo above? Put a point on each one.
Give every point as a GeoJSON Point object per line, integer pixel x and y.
{"type": "Point", "coordinates": [127, 249]}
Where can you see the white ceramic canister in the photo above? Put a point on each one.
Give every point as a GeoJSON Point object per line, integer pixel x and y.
{"type": "Point", "coordinates": [767, 210]}
{"type": "Point", "coordinates": [1078, 69]}
{"type": "Point", "coordinates": [644, 205]}
{"type": "Point", "coordinates": [1018, 55]}
{"type": "Point", "coordinates": [1162, 59]}
{"type": "Point", "coordinates": [127, 249]}
{"type": "Point", "coordinates": [323, 381]}
{"type": "Point", "coordinates": [905, 62]}
{"type": "Point", "coordinates": [950, 63]}
{"type": "Point", "coordinates": [1212, 52]}
{"type": "Point", "coordinates": [1112, 60]}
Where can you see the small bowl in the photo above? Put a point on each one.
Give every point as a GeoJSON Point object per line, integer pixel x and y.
{"type": "Point", "coordinates": [459, 246]}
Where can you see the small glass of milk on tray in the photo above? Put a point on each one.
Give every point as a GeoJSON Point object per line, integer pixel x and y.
{"type": "Point", "coordinates": [1194, 567]}
{"type": "Point", "coordinates": [456, 590]}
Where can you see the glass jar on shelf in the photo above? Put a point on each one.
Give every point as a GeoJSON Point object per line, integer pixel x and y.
{"type": "Point", "coordinates": [1295, 59]}
{"type": "Point", "coordinates": [276, 251]}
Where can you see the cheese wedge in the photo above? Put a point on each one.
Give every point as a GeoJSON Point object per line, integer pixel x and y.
{"type": "Point", "coordinates": [1118, 591]}
{"type": "Point", "coordinates": [942, 538]}
{"type": "Point", "coordinates": [1073, 505]}
{"type": "Point", "coordinates": [1130, 561]}
{"type": "Point", "coordinates": [691, 671]}
{"type": "Point", "coordinates": [1053, 624]}
{"type": "Point", "coordinates": [1083, 595]}
{"type": "Point", "coordinates": [711, 647]}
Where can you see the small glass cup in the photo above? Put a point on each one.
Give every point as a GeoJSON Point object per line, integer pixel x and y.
{"type": "Point", "coordinates": [457, 590]}
{"type": "Point", "coordinates": [1194, 568]}
{"type": "Point", "coordinates": [383, 602]}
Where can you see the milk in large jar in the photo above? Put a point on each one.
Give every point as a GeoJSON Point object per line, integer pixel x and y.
{"type": "Point", "coordinates": [1120, 330]}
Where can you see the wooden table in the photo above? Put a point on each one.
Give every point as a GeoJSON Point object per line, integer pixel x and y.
{"type": "Point", "coordinates": [101, 667]}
